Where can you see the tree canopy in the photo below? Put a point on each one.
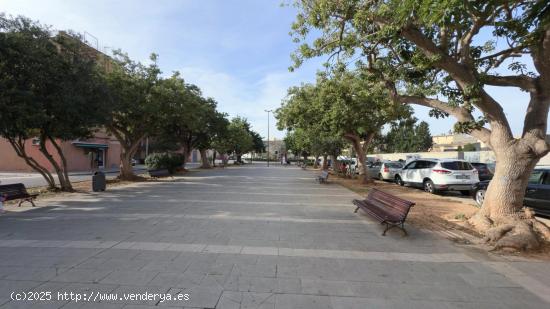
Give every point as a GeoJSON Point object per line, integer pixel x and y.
{"type": "Point", "coordinates": [407, 136]}
{"type": "Point", "coordinates": [49, 89]}
{"type": "Point", "coordinates": [346, 104]}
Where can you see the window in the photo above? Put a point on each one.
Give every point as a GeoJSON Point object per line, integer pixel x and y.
{"type": "Point", "coordinates": [393, 165]}
{"type": "Point", "coordinates": [421, 164]}
{"type": "Point", "coordinates": [457, 165]}
{"type": "Point", "coordinates": [535, 177]}
{"type": "Point", "coordinates": [425, 164]}
{"type": "Point", "coordinates": [546, 180]}
{"type": "Point", "coordinates": [411, 165]}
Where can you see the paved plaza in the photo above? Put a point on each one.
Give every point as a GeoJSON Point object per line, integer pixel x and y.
{"type": "Point", "coordinates": [245, 237]}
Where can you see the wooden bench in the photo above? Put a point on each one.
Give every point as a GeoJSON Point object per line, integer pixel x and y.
{"type": "Point", "coordinates": [386, 208]}
{"type": "Point", "coordinates": [323, 177]}
{"type": "Point", "coordinates": [17, 191]}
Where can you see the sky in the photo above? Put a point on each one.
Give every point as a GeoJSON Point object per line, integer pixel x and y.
{"type": "Point", "coordinates": [237, 52]}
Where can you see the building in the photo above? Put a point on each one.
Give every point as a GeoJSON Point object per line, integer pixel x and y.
{"type": "Point", "coordinates": [276, 148]}
{"type": "Point", "coordinates": [99, 152]}
{"type": "Point", "coordinates": [456, 142]}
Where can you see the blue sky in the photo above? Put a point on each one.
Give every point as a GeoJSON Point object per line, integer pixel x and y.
{"type": "Point", "coordinates": [237, 51]}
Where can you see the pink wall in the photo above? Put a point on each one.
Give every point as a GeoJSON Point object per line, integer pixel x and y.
{"type": "Point", "coordinates": [9, 161]}
{"type": "Point", "coordinates": [77, 159]}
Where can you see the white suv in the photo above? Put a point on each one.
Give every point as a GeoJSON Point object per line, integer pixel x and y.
{"type": "Point", "coordinates": [438, 175]}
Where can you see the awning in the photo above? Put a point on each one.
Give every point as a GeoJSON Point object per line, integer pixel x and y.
{"type": "Point", "coordinates": [90, 145]}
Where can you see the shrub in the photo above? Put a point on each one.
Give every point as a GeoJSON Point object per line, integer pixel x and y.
{"type": "Point", "coordinates": [164, 160]}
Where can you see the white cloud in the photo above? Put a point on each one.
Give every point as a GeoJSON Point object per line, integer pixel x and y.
{"type": "Point", "coordinates": [240, 98]}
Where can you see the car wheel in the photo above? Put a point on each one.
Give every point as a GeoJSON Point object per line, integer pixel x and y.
{"type": "Point", "coordinates": [399, 181]}
{"type": "Point", "coordinates": [465, 192]}
{"type": "Point", "coordinates": [380, 177]}
{"type": "Point", "coordinates": [480, 196]}
{"type": "Point", "coordinates": [429, 186]}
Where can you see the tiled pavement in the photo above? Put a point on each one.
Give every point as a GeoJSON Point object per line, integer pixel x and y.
{"type": "Point", "coordinates": [248, 237]}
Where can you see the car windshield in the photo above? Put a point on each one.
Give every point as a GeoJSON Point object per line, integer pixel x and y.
{"type": "Point", "coordinates": [394, 165]}
{"type": "Point", "coordinates": [457, 165]}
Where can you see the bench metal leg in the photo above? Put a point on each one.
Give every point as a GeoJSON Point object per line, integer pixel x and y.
{"type": "Point", "coordinates": [26, 200]}
{"type": "Point", "coordinates": [389, 226]}
{"type": "Point", "coordinates": [356, 209]}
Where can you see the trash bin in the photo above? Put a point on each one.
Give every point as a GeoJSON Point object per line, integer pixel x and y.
{"type": "Point", "coordinates": [99, 182]}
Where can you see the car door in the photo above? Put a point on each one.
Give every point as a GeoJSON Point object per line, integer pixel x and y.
{"type": "Point", "coordinates": [425, 170]}
{"type": "Point", "coordinates": [411, 172]}
{"type": "Point", "coordinates": [405, 172]}
{"type": "Point", "coordinates": [374, 169]}
{"type": "Point", "coordinates": [538, 192]}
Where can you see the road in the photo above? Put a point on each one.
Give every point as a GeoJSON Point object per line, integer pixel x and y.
{"type": "Point", "coordinates": [246, 237]}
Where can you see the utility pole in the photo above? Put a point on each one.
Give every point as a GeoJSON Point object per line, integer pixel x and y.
{"type": "Point", "coordinates": [268, 111]}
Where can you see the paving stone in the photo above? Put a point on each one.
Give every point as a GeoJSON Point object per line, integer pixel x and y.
{"type": "Point", "coordinates": [302, 301]}
{"type": "Point", "coordinates": [129, 277]}
{"type": "Point", "coordinates": [82, 275]}
{"type": "Point", "coordinates": [246, 300]}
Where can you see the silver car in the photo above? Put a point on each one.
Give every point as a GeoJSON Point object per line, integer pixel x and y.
{"type": "Point", "coordinates": [388, 170]}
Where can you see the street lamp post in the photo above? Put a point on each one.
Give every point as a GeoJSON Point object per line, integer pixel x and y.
{"type": "Point", "coordinates": [268, 111]}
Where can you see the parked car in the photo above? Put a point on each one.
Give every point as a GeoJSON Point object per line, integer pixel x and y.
{"type": "Point", "coordinates": [435, 175]}
{"type": "Point", "coordinates": [373, 169]}
{"type": "Point", "coordinates": [537, 195]}
{"type": "Point", "coordinates": [388, 170]}
{"type": "Point", "coordinates": [483, 171]}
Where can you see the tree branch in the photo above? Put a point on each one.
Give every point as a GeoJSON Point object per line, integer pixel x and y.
{"type": "Point", "coordinates": [521, 81]}
{"type": "Point", "coordinates": [460, 113]}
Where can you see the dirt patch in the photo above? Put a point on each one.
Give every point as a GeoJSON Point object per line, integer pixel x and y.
{"type": "Point", "coordinates": [445, 215]}
{"type": "Point", "coordinates": [86, 187]}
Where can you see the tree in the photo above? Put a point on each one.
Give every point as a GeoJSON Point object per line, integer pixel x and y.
{"type": "Point", "coordinates": [215, 124]}
{"type": "Point", "coordinates": [407, 136]}
{"type": "Point", "coordinates": [240, 136]}
{"type": "Point", "coordinates": [236, 139]}
{"type": "Point", "coordinates": [258, 142]}
{"type": "Point", "coordinates": [435, 54]}
{"type": "Point", "coordinates": [470, 147]}
{"type": "Point", "coordinates": [189, 121]}
{"type": "Point", "coordinates": [298, 143]}
{"type": "Point", "coordinates": [134, 89]}
{"type": "Point", "coordinates": [50, 89]}
{"type": "Point", "coordinates": [347, 104]}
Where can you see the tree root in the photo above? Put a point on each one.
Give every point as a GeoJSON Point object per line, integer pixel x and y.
{"type": "Point", "coordinates": [522, 232]}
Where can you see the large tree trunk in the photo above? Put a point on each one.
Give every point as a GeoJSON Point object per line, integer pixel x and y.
{"type": "Point", "coordinates": [239, 158]}
{"type": "Point", "coordinates": [325, 162]}
{"type": "Point", "coordinates": [502, 218]}
{"type": "Point", "coordinates": [361, 157]}
{"type": "Point", "coordinates": [204, 159]}
{"type": "Point", "coordinates": [126, 168]}
{"type": "Point", "coordinates": [19, 147]}
{"type": "Point", "coordinates": [65, 171]}
{"type": "Point", "coordinates": [214, 154]}
{"type": "Point", "coordinates": [186, 153]}
{"type": "Point", "coordinates": [316, 162]}
{"type": "Point", "coordinates": [225, 159]}
{"type": "Point", "coordinates": [64, 183]}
